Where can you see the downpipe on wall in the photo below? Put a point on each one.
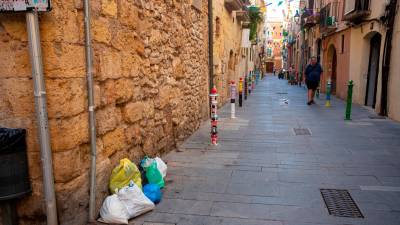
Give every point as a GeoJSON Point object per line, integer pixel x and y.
{"type": "Point", "coordinates": [35, 52]}
{"type": "Point", "coordinates": [91, 107]}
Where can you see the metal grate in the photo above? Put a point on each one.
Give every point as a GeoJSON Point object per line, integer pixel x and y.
{"type": "Point", "coordinates": [301, 131]}
{"type": "Point", "coordinates": [340, 203]}
{"type": "Point", "coordinates": [281, 93]}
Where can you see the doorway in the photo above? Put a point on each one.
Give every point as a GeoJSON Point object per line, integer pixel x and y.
{"type": "Point", "coordinates": [332, 65]}
{"type": "Point", "coordinates": [373, 70]}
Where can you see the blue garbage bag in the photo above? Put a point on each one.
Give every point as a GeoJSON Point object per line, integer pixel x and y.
{"type": "Point", "coordinates": [153, 192]}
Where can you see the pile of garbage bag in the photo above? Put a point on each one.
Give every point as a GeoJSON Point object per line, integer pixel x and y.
{"type": "Point", "coordinates": [134, 190]}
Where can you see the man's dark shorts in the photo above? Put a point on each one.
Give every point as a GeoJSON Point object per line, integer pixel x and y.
{"type": "Point", "coordinates": [312, 84]}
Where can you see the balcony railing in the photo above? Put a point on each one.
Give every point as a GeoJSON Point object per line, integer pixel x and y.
{"type": "Point", "coordinates": [356, 10]}
{"type": "Point", "coordinates": [242, 15]}
{"type": "Point", "coordinates": [329, 17]}
{"type": "Point", "coordinates": [232, 5]}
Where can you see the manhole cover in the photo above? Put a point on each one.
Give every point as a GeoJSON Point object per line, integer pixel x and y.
{"type": "Point", "coordinates": [301, 131]}
{"type": "Point", "coordinates": [340, 203]}
{"type": "Point", "coordinates": [376, 117]}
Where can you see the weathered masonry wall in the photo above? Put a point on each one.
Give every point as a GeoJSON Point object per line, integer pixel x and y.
{"type": "Point", "coordinates": [151, 90]}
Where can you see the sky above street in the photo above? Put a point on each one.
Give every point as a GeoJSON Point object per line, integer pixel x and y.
{"type": "Point", "coordinates": [276, 9]}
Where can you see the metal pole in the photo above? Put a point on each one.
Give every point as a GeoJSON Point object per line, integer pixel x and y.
{"type": "Point", "coordinates": [210, 46]}
{"type": "Point", "coordinates": [41, 115]}
{"type": "Point", "coordinates": [349, 100]}
{"type": "Point", "coordinates": [91, 106]}
{"type": "Point", "coordinates": [233, 99]}
{"type": "Point", "coordinates": [328, 93]}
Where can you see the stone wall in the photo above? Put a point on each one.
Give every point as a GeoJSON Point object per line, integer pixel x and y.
{"type": "Point", "coordinates": [151, 74]}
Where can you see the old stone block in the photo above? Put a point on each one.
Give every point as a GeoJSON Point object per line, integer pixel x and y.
{"type": "Point", "coordinates": [109, 65]}
{"type": "Point", "coordinates": [73, 199]}
{"type": "Point", "coordinates": [66, 97]}
{"type": "Point", "coordinates": [15, 26]}
{"type": "Point", "coordinates": [68, 133]}
{"type": "Point", "coordinates": [33, 206]}
{"type": "Point", "coordinates": [18, 95]}
{"type": "Point", "coordinates": [114, 141]}
{"type": "Point", "coordinates": [63, 60]}
{"type": "Point", "coordinates": [103, 171]}
{"type": "Point", "coordinates": [166, 94]}
{"type": "Point", "coordinates": [128, 14]}
{"type": "Point", "coordinates": [63, 171]}
{"type": "Point", "coordinates": [117, 91]}
{"type": "Point", "coordinates": [101, 30]}
{"type": "Point", "coordinates": [133, 134]}
{"type": "Point", "coordinates": [109, 8]}
{"type": "Point", "coordinates": [178, 68]}
{"type": "Point", "coordinates": [107, 119]}
{"type": "Point", "coordinates": [133, 112]}
{"type": "Point", "coordinates": [130, 64]}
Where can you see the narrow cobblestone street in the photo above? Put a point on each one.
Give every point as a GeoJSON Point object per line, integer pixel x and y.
{"type": "Point", "coordinates": [262, 173]}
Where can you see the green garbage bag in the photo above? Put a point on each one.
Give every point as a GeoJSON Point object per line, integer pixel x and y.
{"type": "Point", "coordinates": [123, 174]}
{"type": "Point", "coordinates": [153, 175]}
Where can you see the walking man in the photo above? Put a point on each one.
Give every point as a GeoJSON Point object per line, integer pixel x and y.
{"type": "Point", "coordinates": [313, 74]}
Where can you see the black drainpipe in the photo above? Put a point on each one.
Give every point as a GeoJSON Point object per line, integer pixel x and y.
{"type": "Point", "coordinates": [389, 20]}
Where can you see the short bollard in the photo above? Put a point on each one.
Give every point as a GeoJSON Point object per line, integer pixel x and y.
{"type": "Point", "coordinates": [349, 100]}
{"type": "Point", "coordinates": [253, 81]}
{"type": "Point", "coordinates": [249, 83]}
{"type": "Point", "coordinates": [233, 99]}
{"type": "Point", "coordinates": [245, 87]}
{"type": "Point", "coordinates": [328, 93]}
{"type": "Point", "coordinates": [214, 116]}
{"type": "Point", "coordinates": [240, 92]}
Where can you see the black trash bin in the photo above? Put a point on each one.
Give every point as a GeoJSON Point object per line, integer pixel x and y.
{"type": "Point", "coordinates": [14, 175]}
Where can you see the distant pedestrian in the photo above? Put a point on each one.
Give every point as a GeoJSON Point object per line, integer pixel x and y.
{"type": "Point", "coordinates": [313, 74]}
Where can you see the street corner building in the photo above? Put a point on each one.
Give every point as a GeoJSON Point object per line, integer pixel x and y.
{"type": "Point", "coordinates": [355, 40]}
{"type": "Point", "coordinates": [150, 69]}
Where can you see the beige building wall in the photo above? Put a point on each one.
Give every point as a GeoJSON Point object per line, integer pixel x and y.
{"type": "Point", "coordinates": [359, 60]}
{"type": "Point", "coordinates": [229, 60]}
{"type": "Point", "coordinates": [151, 91]}
{"type": "Point", "coordinates": [394, 75]}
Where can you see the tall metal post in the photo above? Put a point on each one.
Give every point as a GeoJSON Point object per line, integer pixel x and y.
{"type": "Point", "coordinates": [41, 115]}
{"type": "Point", "coordinates": [91, 107]}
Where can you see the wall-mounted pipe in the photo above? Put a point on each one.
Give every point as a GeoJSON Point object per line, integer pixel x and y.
{"type": "Point", "coordinates": [91, 106]}
{"type": "Point", "coordinates": [35, 52]}
{"type": "Point", "coordinates": [210, 46]}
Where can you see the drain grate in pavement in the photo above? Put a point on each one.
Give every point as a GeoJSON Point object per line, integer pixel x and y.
{"type": "Point", "coordinates": [377, 117]}
{"type": "Point", "coordinates": [301, 131]}
{"type": "Point", "coordinates": [340, 203]}
{"type": "Point", "coordinates": [281, 93]}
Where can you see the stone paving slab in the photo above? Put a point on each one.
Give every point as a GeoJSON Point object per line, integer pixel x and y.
{"type": "Point", "coordinates": [261, 173]}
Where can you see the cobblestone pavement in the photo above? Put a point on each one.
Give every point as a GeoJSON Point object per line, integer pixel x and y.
{"type": "Point", "coordinates": [261, 173]}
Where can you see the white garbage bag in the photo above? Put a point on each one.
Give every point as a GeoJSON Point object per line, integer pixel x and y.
{"type": "Point", "coordinates": [128, 203]}
{"type": "Point", "coordinates": [134, 200]}
{"type": "Point", "coordinates": [113, 211]}
{"type": "Point", "coordinates": [161, 166]}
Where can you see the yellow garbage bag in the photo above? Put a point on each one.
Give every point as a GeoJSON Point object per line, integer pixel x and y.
{"type": "Point", "coordinates": [122, 174]}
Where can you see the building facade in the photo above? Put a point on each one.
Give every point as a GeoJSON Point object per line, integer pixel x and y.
{"type": "Point", "coordinates": [150, 64]}
{"type": "Point", "coordinates": [350, 40]}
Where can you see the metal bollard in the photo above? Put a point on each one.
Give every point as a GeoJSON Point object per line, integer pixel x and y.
{"type": "Point", "coordinates": [253, 81]}
{"type": "Point", "coordinates": [214, 116]}
{"type": "Point", "coordinates": [328, 93]}
{"type": "Point", "coordinates": [249, 83]}
{"type": "Point", "coordinates": [349, 100]}
{"type": "Point", "coordinates": [245, 87]}
{"type": "Point", "coordinates": [233, 99]}
{"type": "Point", "coordinates": [240, 91]}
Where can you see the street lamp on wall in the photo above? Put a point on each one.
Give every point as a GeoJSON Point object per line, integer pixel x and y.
{"type": "Point", "coordinates": [297, 17]}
